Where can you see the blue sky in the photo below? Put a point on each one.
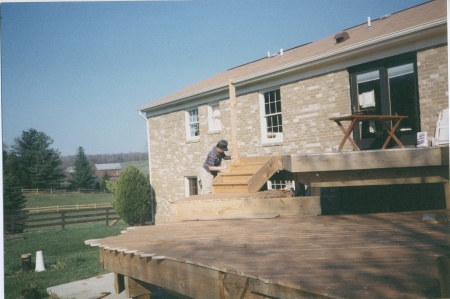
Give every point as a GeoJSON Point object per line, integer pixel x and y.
{"type": "Point", "coordinates": [80, 71]}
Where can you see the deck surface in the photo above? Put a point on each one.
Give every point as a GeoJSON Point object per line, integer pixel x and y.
{"type": "Point", "coordinates": [349, 256]}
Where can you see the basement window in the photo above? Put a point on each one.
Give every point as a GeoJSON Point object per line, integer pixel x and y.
{"type": "Point", "coordinates": [280, 184]}
{"type": "Point", "coordinates": [271, 117]}
{"type": "Point", "coordinates": [191, 186]}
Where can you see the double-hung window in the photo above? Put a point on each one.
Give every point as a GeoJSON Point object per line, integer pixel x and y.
{"type": "Point", "coordinates": [192, 124]}
{"type": "Point", "coordinates": [214, 123]}
{"type": "Point", "coordinates": [271, 117]}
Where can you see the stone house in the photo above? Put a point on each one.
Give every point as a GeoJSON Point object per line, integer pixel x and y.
{"type": "Point", "coordinates": [282, 104]}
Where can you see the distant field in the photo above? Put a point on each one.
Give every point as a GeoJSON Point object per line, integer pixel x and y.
{"type": "Point", "coordinates": [141, 165]}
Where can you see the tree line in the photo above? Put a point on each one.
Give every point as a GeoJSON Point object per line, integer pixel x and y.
{"type": "Point", "coordinates": [33, 163]}
{"type": "Point", "coordinates": [36, 164]}
{"type": "Point", "coordinates": [68, 161]}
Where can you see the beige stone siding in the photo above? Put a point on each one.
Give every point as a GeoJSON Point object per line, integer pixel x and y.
{"type": "Point", "coordinates": [432, 68]}
{"type": "Point", "coordinates": [173, 158]}
{"type": "Point", "coordinates": [307, 106]}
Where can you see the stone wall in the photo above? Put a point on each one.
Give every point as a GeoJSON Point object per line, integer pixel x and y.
{"type": "Point", "coordinates": [432, 68]}
{"type": "Point", "coordinates": [306, 108]}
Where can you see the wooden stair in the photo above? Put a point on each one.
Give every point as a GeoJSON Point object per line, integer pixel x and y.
{"type": "Point", "coordinates": [247, 174]}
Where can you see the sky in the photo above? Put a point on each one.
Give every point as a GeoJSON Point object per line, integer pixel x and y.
{"type": "Point", "coordinates": [80, 71]}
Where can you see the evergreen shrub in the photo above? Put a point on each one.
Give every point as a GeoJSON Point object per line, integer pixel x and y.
{"type": "Point", "coordinates": [132, 197]}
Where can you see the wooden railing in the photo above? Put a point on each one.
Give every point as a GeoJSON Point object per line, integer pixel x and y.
{"type": "Point", "coordinates": [60, 218]}
{"type": "Point", "coordinates": [67, 207]}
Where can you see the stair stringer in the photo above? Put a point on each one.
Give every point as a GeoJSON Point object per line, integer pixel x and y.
{"type": "Point", "coordinates": [270, 165]}
{"type": "Point", "coordinates": [261, 176]}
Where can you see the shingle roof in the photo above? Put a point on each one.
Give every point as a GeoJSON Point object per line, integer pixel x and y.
{"type": "Point", "coordinates": [423, 16]}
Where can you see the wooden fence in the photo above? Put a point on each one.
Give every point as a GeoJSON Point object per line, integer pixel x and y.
{"type": "Point", "coordinates": [67, 207]}
{"type": "Point", "coordinates": [60, 218]}
{"type": "Point", "coordinates": [59, 191]}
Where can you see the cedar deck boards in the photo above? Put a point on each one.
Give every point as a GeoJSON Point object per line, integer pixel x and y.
{"type": "Point", "coordinates": [348, 256]}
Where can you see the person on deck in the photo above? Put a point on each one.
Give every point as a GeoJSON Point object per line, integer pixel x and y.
{"type": "Point", "coordinates": [213, 165]}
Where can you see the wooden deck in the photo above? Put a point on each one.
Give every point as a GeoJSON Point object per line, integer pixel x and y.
{"type": "Point", "coordinates": [348, 256]}
{"type": "Point", "coordinates": [375, 167]}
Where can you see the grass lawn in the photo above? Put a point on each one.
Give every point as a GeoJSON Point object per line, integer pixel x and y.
{"type": "Point", "coordinates": [66, 257]}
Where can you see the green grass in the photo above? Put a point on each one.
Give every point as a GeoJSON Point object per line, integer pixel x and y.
{"type": "Point", "coordinates": [66, 257]}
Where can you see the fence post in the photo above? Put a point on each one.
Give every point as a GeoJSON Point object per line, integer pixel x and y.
{"type": "Point", "coordinates": [63, 219]}
{"type": "Point", "coordinates": [107, 216]}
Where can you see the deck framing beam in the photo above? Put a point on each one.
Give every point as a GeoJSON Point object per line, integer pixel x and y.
{"type": "Point", "coordinates": [140, 276]}
{"type": "Point", "coordinates": [389, 176]}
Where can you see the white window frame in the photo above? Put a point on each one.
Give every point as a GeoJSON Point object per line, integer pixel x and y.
{"type": "Point", "coordinates": [191, 122]}
{"type": "Point", "coordinates": [280, 184]}
{"type": "Point", "coordinates": [265, 136]}
{"type": "Point", "coordinates": [187, 187]}
{"type": "Point", "coordinates": [214, 122]}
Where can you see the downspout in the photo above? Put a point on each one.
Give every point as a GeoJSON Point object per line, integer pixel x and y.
{"type": "Point", "coordinates": [149, 166]}
{"type": "Point", "coordinates": [233, 116]}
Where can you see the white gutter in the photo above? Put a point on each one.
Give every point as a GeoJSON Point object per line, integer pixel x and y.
{"type": "Point", "coordinates": [149, 166]}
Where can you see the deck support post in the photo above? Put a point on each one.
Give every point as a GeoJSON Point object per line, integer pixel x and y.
{"type": "Point", "coordinates": [233, 116]}
{"type": "Point", "coordinates": [137, 289]}
{"type": "Point", "coordinates": [119, 283]}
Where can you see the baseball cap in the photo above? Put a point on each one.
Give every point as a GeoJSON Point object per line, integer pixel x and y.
{"type": "Point", "coordinates": [222, 144]}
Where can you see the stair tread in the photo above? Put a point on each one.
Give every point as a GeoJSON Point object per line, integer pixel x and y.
{"type": "Point", "coordinates": [228, 184]}
{"type": "Point", "coordinates": [235, 173]}
{"type": "Point", "coordinates": [238, 176]}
